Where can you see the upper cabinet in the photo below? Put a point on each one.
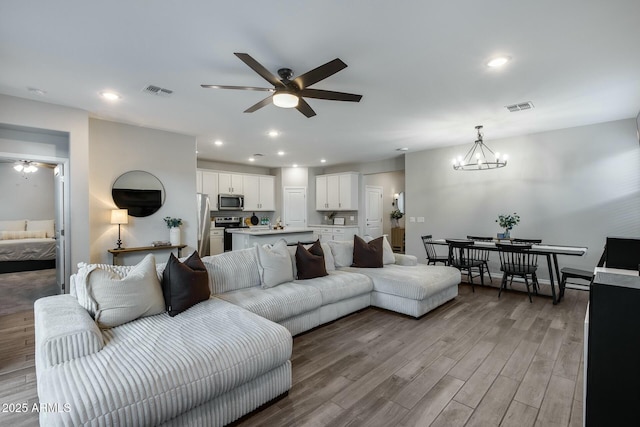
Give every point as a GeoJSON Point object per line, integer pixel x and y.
{"type": "Point", "coordinates": [230, 183]}
{"type": "Point", "coordinates": [337, 192]}
{"type": "Point", "coordinates": [210, 185]}
{"type": "Point", "coordinates": [259, 193]}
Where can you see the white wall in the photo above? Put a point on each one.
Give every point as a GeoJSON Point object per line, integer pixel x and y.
{"type": "Point", "coordinates": [573, 187]}
{"type": "Point", "coordinates": [116, 148]}
{"type": "Point", "coordinates": [23, 112]}
{"type": "Point", "coordinates": [26, 196]}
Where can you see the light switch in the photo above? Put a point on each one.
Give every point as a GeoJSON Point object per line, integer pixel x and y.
{"type": "Point", "coordinates": [420, 219]}
{"type": "Point", "coordinates": [412, 219]}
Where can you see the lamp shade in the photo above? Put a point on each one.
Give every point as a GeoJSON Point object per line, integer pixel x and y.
{"type": "Point", "coordinates": [119, 216]}
{"type": "Point", "coordinates": [285, 100]}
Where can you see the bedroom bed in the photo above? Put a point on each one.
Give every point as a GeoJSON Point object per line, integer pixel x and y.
{"type": "Point", "coordinates": [27, 245]}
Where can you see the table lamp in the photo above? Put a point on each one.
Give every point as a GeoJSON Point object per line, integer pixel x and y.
{"type": "Point", "coordinates": [119, 216]}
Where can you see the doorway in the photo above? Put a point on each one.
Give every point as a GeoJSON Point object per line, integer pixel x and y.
{"type": "Point", "coordinates": [294, 206]}
{"type": "Point", "coordinates": [373, 211]}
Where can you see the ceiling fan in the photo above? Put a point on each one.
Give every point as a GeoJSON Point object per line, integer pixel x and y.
{"type": "Point", "coordinates": [288, 93]}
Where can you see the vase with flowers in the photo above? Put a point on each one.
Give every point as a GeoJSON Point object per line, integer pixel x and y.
{"type": "Point", "coordinates": [396, 215]}
{"type": "Point", "coordinates": [173, 224]}
{"type": "Point", "coordinates": [508, 222]}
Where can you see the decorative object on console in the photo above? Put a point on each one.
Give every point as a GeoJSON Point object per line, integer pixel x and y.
{"type": "Point", "coordinates": [507, 222]}
{"type": "Point", "coordinates": [396, 215]}
{"type": "Point", "coordinates": [174, 229]}
{"type": "Point", "coordinates": [476, 158]}
{"type": "Point", "coordinates": [184, 284]}
{"type": "Point", "coordinates": [119, 216]}
{"type": "Point", "coordinates": [310, 262]}
{"type": "Point", "coordinates": [367, 255]}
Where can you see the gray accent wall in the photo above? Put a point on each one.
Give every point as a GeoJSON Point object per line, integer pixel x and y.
{"type": "Point", "coordinates": [572, 186]}
{"type": "Point", "coordinates": [26, 196]}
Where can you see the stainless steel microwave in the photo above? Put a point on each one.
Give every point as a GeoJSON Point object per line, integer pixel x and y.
{"type": "Point", "coordinates": [230, 202]}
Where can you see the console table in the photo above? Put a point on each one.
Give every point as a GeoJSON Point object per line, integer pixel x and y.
{"type": "Point", "coordinates": [116, 252]}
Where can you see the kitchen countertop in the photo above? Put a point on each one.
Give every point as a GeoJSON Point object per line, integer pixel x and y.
{"type": "Point", "coordinates": [260, 232]}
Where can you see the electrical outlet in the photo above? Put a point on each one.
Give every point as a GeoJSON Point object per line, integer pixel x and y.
{"type": "Point", "coordinates": [420, 219]}
{"type": "Point", "coordinates": [352, 218]}
{"type": "Point", "coordinates": [326, 217]}
{"type": "Point", "coordinates": [412, 219]}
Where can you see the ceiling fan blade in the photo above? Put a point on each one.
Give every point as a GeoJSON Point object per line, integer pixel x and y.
{"type": "Point", "coordinates": [258, 68]}
{"type": "Point", "coordinates": [263, 89]}
{"type": "Point", "coordinates": [320, 73]}
{"type": "Point", "coordinates": [268, 100]}
{"type": "Point", "coordinates": [305, 108]}
{"type": "Point", "coordinates": [330, 95]}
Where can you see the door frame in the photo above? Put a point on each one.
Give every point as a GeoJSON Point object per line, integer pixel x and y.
{"type": "Point", "coordinates": [284, 210]}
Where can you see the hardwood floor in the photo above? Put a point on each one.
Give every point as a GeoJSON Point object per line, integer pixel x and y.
{"type": "Point", "coordinates": [476, 361]}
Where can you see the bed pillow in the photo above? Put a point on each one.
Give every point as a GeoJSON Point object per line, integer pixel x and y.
{"type": "Point", "coordinates": [342, 252]}
{"type": "Point", "coordinates": [310, 262]}
{"type": "Point", "coordinates": [114, 299]}
{"type": "Point", "coordinates": [387, 252]}
{"type": "Point", "coordinates": [274, 264]}
{"type": "Point", "coordinates": [184, 284]}
{"type": "Point", "coordinates": [14, 225]}
{"type": "Point", "coordinates": [367, 255]}
{"type": "Point", "coordinates": [13, 235]}
{"type": "Point", "coordinates": [45, 224]}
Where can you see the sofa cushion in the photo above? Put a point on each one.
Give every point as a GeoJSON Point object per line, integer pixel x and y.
{"type": "Point", "coordinates": [310, 262]}
{"type": "Point", "coordinates": [413, 282]}
{"type": "Point", "coordinates": [342, 252]}
{"type": "Point", "coordinates": [277, 303]}
{"type": "Point", "coordinates": [184, 284]}
{"type": "Point", "coordinates": [274, 264]}
{"type": "Point", "coordinates": [158, 367]}
{"type": "Point", "coordinates": [113, 299]}
{"type": "Point", "coordinates": [232, 270]}
{"type": "Point", "coordinates": [367, 255]}
{"type": "Point", "coordinates": [339, 285]}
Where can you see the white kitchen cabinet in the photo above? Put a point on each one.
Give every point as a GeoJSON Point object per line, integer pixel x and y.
{"type": "Point", "coordinates": [259, 193]}
{"type": "Point", "coordinates": [216, 240]}
{"type": "Point", "coordinates": [210, 186]}
{"type": "Point", "coordinates": [230, 183]}
{"type": "Point", "coordinates": [326, 233]}
{"type": "Point", "coordinates": [337, 192]}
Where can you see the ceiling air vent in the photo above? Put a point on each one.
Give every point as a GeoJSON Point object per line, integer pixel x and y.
{"type": "Point", "coordinates": [158, 91]}
{"type": "Point", "coordinates": [520, 107]}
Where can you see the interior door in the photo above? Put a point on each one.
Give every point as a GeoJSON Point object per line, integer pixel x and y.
{"type": "Point", "coordinates": [373, 211]}
{"type": "Point", "coordinates": [295, 206]}
{"type": "Point", "coordinates": [58, 179]}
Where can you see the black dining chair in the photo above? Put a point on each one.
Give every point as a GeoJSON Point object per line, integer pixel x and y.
{"type": "Point", "coordinates": [481, 254]}
{"type": "Point", "coordinates": [432, 256]}
{"type": "Point", "coordinates": [516, 260]}
{"type": "Point", "coordinates": [459, 258]}
{"type": "Point", "coordinates": [569, 275]}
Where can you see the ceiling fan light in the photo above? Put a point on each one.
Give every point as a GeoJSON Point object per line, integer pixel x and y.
{"type": "Point", "coordinates": [18, 167]}
{"type": "Point", "coordinates": [285, 100]}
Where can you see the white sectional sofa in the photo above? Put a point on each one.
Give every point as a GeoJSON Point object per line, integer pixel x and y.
{"type": "Point", "coordinates": [223, 357]}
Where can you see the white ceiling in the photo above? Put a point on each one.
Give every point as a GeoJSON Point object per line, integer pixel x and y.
{"type": "Point", "coordinates": [420, 66]}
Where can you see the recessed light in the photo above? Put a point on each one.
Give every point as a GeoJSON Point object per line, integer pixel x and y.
{"type": "Point", "coordinates": [295, 165]}
{"type": "Point", "coordinates": [280, 153]}
{"type": "Point", "coordinates": [218, 142]}
{"type": "Point", "coordinates": [402, 149]}
{"type": "Point", "coordinates": [37, 91]}
{"type": "Point", "coordinates": [323, 160]}
{"type": "Point", "coordinates": [273, 133]}
{"type": "Point", "coordinates": [111, 96]}
{"type": "Point", "coordinates": [251, 159]}
{"type": "Point", "coordinates": [498, 61]}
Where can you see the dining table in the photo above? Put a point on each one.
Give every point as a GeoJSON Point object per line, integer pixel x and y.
{"type": "Point", "coordinates": [550, 252]}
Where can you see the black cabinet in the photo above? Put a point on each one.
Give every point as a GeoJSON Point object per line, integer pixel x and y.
{"type": "Point", "coordinates": [613, 361]}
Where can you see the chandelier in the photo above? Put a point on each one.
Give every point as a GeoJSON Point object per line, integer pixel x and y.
{"type": "Point", "coordinates": [476, 158]}
{"type": "Point", "coordinates": [25, 166]}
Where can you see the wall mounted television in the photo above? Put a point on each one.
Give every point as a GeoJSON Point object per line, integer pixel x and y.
{"type": "Point", "coordinates": [140, 203]}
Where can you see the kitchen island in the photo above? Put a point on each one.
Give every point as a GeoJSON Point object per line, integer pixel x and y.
{"type": "Point", "coordinates": [244, 238]}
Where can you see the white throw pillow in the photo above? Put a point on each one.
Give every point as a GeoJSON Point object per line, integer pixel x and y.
{"type": "Point", "coordinates": [45, 224]}
{"type": "Point", "coordinates": [342, 252]}
{"type": "Point", "coordinates": [274, 264]}
{"type": "Point", "coordinates": [387, 252]}
{"type": "Point", "coordinates": [113, 298]}
{"type": "Point", "coordinates": [13, 235]}
{"type": "Point", "coordinates": [14, 225]}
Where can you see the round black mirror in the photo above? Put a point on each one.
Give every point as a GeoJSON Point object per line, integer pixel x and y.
{"type": "Point", "coordinates": [138, 191]}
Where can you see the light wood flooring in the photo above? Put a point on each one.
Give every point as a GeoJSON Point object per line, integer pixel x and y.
{"type": "Point", "coordinates": [476, 361]}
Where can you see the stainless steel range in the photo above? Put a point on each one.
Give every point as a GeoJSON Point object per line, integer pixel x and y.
{"type": "Point", "coordinates": [228, 222]}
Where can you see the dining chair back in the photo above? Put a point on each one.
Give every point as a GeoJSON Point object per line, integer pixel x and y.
{"type": "Point", "coordinates": [481, 254]}
{"type": "Point", "coordinates": [570, 275]}
{"type": "Point", "coordinates": [432, 255]}
{"type": "Point", "coordinates": [516, 260]}
{"type": "Point", "coordinates": [460, 259]}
